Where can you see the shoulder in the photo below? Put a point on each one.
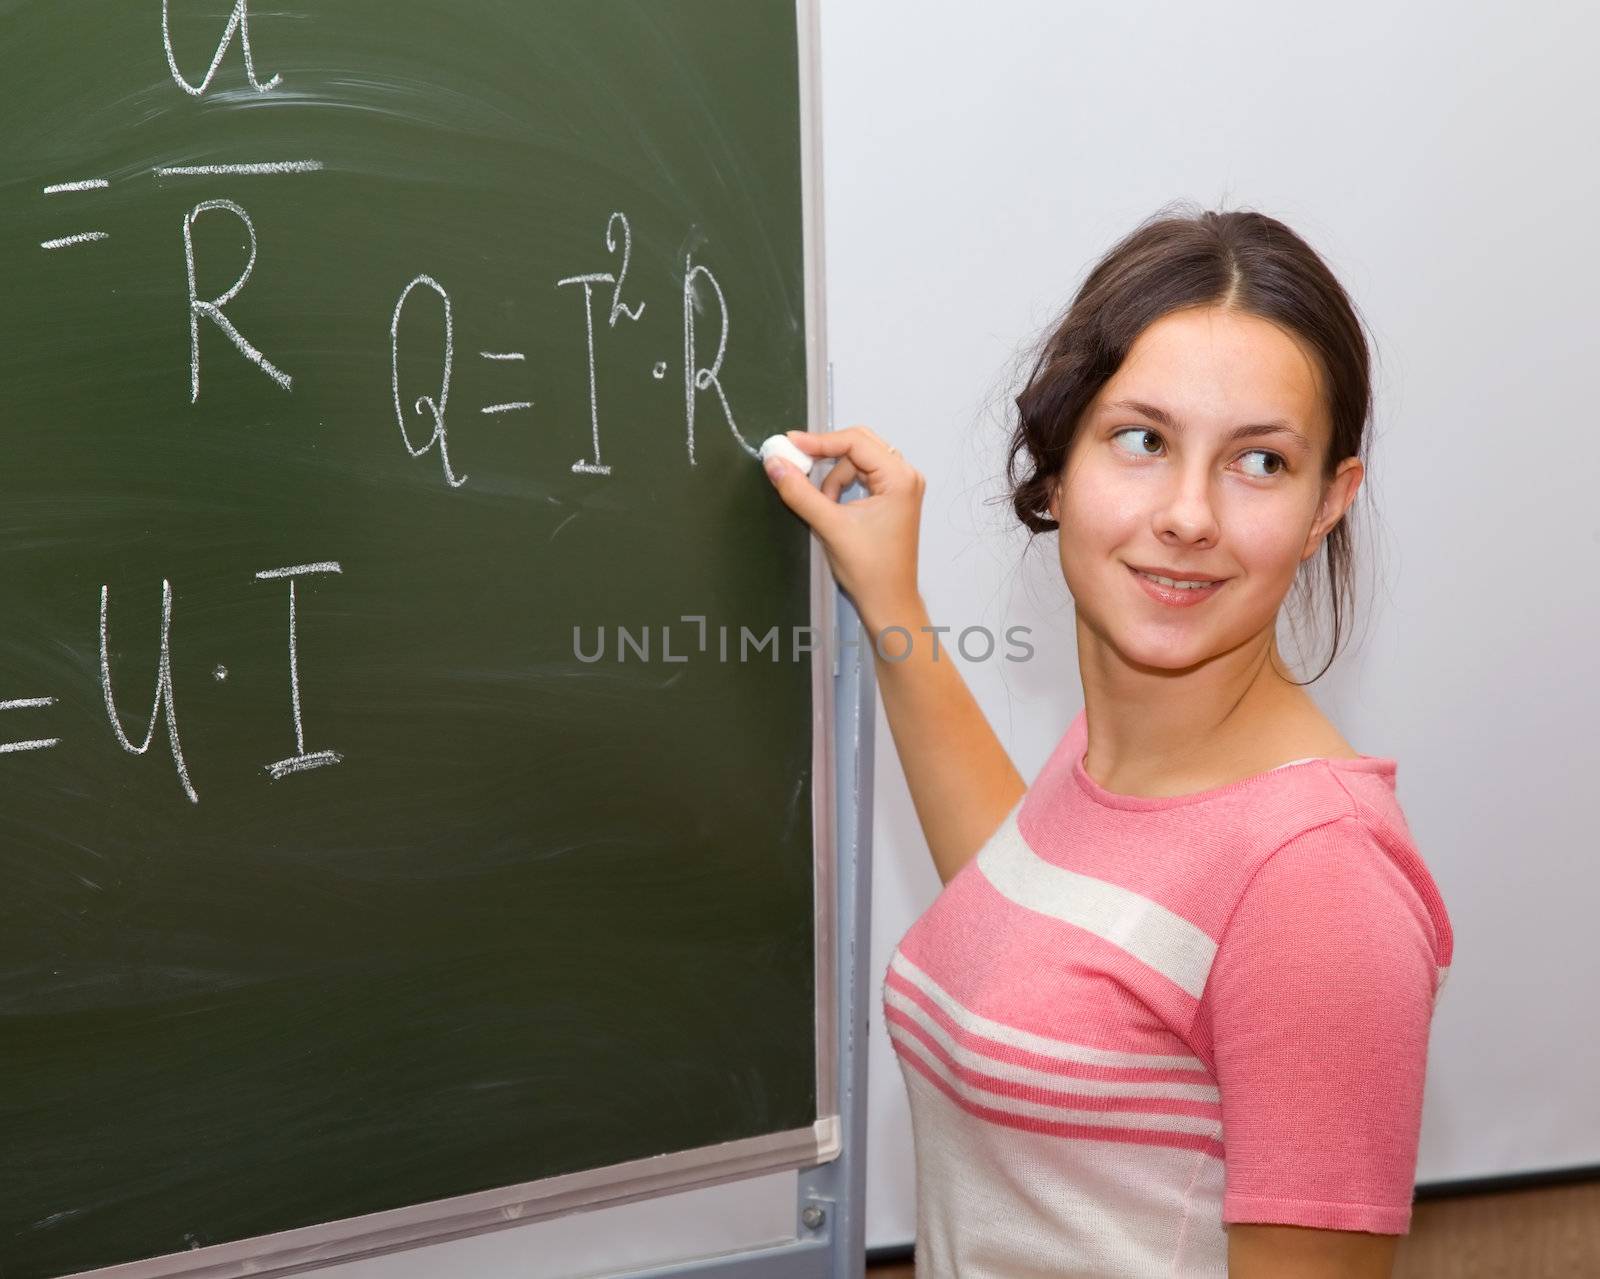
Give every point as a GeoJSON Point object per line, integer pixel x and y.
{"type": "Point", "coordinates": [1336, 904]}
{"type": "Point", "coordinates": [1335, 827]}
{"type": "Point", "coordinates": [1359, 854]}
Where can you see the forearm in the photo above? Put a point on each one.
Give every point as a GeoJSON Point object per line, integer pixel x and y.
{"type": "Point", "coordinates": [962, 781]}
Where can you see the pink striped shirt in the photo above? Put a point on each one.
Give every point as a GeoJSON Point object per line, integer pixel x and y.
{"type": "Point", "coordinates": [1128, 1021]}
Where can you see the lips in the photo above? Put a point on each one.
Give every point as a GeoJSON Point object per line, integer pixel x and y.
{"type": "Point", "coordinates": [1177, 575]}
{"type": "Point", "coordinates": [1175, 596]}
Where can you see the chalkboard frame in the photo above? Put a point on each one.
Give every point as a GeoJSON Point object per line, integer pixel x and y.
{"type": "Point", "coordinates": [833, 1138]}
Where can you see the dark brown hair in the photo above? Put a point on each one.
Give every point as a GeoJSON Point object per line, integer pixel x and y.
{"type": "Point", "coordinates": [1185, 257]}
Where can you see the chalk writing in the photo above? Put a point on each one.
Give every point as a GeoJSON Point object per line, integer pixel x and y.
{"type": "Point", "coordinates": [163, 707]}
{"type": "Point", "coordinates": [302, 760]}
{"type": "Point", "coordinates": [593, 466]}
{"type": "Point", "coordinates": [426, 405]}
{"type": "Point", "coordinates": [617, 306]}
{"type": "Point", "coordinates": [239, 170]}
{"type": "Point", "coordinates": [67, 241]}
{"type": "Point", "coordinates": [585, 466]}
{"type": "Point", "coordinates": [509, 406]}
{"type": "Point", "coordinates": [695, 377]}
{"type": "Point", "coordinates": [704, 367]}
{"type": "Point", "coordinates": [212, 310]}
{"type": "Point", "coordinates": [34, 744]}
{"type": "Point", "coordinates": [238, 23]}
{"type": "Point", "coordinates": [82, 237]}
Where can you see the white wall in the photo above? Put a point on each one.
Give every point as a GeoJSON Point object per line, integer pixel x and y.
{"type": "Point", "coordinates": [980, 157]}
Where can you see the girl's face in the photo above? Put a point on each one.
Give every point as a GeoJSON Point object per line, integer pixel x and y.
{"type": "Point", "coordinates": [1162, 474]}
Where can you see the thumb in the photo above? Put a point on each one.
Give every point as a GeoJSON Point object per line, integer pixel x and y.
{"type": "Point", "coordinates": [798, 493]}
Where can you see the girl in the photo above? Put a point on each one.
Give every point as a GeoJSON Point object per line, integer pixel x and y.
{"type": "Point", "coordinates": [1169, 1014]}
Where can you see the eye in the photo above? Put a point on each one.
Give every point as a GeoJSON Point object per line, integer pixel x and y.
{"type": "Point", "coordinates": [1136, 430]}
{"type": "Point", "coordinates": [1279, 465]}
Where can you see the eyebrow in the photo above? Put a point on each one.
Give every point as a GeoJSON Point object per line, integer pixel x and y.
{"type": "Point", "coordinates": [1250, 431]}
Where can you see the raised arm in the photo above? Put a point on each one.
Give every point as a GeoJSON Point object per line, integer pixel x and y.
{"type": "Point", "coordinates": [961, 779]}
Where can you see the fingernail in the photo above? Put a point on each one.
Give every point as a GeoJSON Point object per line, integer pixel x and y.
{"type": "Point", "coordinates": [776, 467]}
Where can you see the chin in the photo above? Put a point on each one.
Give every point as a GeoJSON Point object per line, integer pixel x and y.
{"type": "Point", "coordinates": [1179, 655]}
{"type": "Point", "coordinates": [1176, 646]}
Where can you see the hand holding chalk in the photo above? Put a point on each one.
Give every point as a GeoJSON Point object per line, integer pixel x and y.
{"type": "Point", "coordinates": [871, 542]}
{"type": "Point", "coordinates": [779, 446]}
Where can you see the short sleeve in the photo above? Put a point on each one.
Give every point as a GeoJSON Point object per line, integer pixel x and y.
{"type": "Point", "coordinates": [1317, 1009]}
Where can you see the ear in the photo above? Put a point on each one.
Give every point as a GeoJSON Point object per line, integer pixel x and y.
{"type": "Point", "coordinates": [1336, 499]}
{"type": "Point", "coordinates": [1054, 489]}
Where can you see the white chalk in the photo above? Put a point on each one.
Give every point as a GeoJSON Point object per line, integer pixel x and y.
{"type": "Point", "coordinates": [782, 447]}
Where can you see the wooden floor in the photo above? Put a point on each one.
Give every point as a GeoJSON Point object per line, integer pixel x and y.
{"type": "Point", "coordinates": [1546, 1233]}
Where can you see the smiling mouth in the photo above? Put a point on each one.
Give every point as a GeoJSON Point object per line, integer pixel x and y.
{"type": "Point", "coordinates": [1174, 596]}
{"type": "Point", "coordinates": [1178, 583]}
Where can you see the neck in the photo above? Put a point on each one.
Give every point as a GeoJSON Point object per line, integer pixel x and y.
{"type": "Point", "coordinates": [1152, 729]}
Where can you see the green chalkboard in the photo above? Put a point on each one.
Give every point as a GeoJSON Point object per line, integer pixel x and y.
{"type": "Point", "coordinates": [338, 873]}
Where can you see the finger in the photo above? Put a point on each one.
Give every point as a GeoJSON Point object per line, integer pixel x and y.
{"type": "Point", "coordinates": [839, 478]}
{"type": "Point", "coordinates": [832, 443]}
{"type": "Point", "coordinates": [869, 454]}
{"type": "Point", "coordinates": [804, 498]}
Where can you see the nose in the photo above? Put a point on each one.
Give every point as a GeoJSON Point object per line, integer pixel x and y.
{"type": "Point", "coordinates": [1185, 512]}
